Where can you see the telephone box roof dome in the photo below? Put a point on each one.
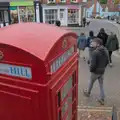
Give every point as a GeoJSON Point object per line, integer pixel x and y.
{"type": "Point", "coordinates": [36, 39]}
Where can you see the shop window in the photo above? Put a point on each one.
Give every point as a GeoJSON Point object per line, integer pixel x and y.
{"type": "Point", "coordinates": [14, 14]}
{"type": "Point", "coordinates": [62, 1]}
{"type": "Point", "coordinates": [26, 14]}
{"type": "Point", "coordinates": [30, 14]}
{"type": "Point", "coordinates": [51, 1]}
{"type": "Point", "coordinates": [74, 1]}
{"type": "Point", "coordinates": [22, 13]}
{"type": "Point", "coordinates": [51, 15]}
{"type": "Point", "coordinates": [73, 16]}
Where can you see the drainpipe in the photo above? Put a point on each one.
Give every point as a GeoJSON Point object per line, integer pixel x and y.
{"type": "Point", "coordinates": [95, 7]}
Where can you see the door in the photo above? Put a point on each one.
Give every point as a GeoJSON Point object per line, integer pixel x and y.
{"type": "Point", "coordinates": [65, 98]}
{"type": "Point", "coordinates": [73, 16]}
{"type": "Point", "coordinates": [62, 16]}
{"type": "Point", "coordinates": [1, 19]}
{"type": "Point", "coordinates": [6, 19]}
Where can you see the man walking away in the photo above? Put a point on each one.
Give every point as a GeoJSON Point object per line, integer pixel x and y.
{"type": "Point", "coordinates": [112, 45]}
{"type": "Point", "coordinates": [81, 44]}
{"type": "Point", "coordinates": [89, 40]}
{"type": "Point", "coordinates": [99, 61]}
{"type": "Point", "coordinates": [102, 35]}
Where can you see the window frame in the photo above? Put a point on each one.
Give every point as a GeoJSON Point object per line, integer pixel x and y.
{"type": "Point", "coordinates": [50, 1]}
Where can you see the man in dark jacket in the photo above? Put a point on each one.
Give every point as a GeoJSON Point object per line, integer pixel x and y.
{"type": "Point", "coordinates": [112, 45]}
{"type": "Point", "coordinates": [102, 35]}
{"type": "Point", "coordinates": [98, 63]}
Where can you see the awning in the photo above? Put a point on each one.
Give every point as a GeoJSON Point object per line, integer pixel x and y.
{"type": "Point", "coordinates": [72, 6]}
{"type": "Point", "coordinates": [22, 3]}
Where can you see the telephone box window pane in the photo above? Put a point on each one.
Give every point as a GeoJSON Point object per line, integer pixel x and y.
{"type": "Point", "coordinates": [66, 105]}
{"type": "Point", "coordinates": [69, 116]}
{"type": "Point", "coordinates": [64, 109]}
{"type": "Point", "coordinates": [66, 88]}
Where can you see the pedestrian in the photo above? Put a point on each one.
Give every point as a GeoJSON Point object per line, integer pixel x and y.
{"type": "Point", "coordinates": [82, 45]}
{"type": "Point", "coordinates": [98, 64]}
{"type": "Point", "coordinates": [103, 35]}
{"type": "Point", "coordinates": [58, 23]}
{"type": "Point", "coordinates": [112, 45]}
{"type": "Point", "coordinates": [84, 21]}
{"type": "Point", "coordinates": [89, 40]}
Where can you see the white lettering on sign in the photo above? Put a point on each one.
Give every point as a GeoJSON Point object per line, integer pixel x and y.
{"type": "Point", "coordinates": [16, 71]}
{"type": "Point", "coordinates": [62, 59]}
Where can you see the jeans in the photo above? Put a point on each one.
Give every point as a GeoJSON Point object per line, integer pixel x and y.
{"type": "Point", "coordinates": [100, 79]}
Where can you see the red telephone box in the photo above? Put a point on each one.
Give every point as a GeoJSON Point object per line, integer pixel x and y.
{"type": "Point", "coordinates": [38, 73]}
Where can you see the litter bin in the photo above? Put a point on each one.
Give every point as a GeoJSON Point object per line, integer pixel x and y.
{"type": "Point", "coordinates": [38, 73]}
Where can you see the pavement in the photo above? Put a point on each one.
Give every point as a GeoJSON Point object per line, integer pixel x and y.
{"type": "Point", "coordinates": [112, 75]}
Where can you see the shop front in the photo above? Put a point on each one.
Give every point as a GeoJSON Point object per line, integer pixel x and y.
{"type": "Point", "coordinates": [73, 16]}
{"type": "Point", "coordinates": [68, 15]}
{"type": "Point", "coordinates": [4, 14]}
{"type": "Point", "coordinates": [22, 12]}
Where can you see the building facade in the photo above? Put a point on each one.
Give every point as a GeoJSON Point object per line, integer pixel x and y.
{"type": "Point", "coordinates": [68, 12]}
{"type": "Point", "coordinates": [22, 11]}
{"type": "Point", "coordinates": [17, 11]}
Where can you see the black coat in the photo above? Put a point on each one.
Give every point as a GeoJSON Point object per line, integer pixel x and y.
{"type": "Point", "coordinates": [99, 60]}
{"type": "Point", "coordinates": [104, 37]}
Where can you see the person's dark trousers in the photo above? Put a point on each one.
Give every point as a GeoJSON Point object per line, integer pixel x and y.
{"type": "Point", "coordinates": [84, 24]}
{"type": "Point", "coordinates": [110, 56]}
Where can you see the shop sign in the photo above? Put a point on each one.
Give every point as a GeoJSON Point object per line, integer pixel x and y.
{"type": "Point", "coordinates": [16, 71]}
{"type": "Point", "coordinates": [22, 3]}
{"type": "Point", "coordinates": [13, 8]}
{"type": "Point", "coordinates": [62, 59]}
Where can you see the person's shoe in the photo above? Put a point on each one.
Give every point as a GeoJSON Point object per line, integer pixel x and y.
{"type": "Point", "coordinates": [84, 58]}
{"type": "Point", "coordinates": [86, 94]}
{"type": "Point", "coordinates": [101, 101]}
{"type": "Point", "coordinates": [111, 64]}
